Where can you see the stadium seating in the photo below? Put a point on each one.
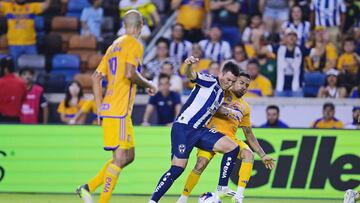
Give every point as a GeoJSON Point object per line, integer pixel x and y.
{"type": "Point", "coordinates": [66, 27]}
{"type": "Point", "coordinates": [107, 26]}
{"type": "Point", "coordinates": [52, 83]}
{"type": "Point", "coordinates": [40, 28]}
{"type": "Point", "coordinates": [313, 82]}
{"type": "Point", "coordinates": [35, 61]}
{"type": "Point", "coordinates": [94, 61]}
{"type": "Point", "coordinates": [75, 7]}
{"type": "Point", "coordinates": [3, 44]}
{"type": "Point", "coordinates": [66, 64]}
{"type": "Point", "coordinates": [85, 80]}
{"type": "Point", "coordinates": [84, 46]}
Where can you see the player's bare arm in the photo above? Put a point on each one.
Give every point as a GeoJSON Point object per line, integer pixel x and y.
{"type": "Point", "coordinates": [97, 90]}
{"type": "Point", "coordinates": [228, 111]}
{"type": "Point", "coordinates": [46, 4]}
{"type": "Point", "coordinates": [135, 77]}
{"type": "Point", "coordinates": [268, 161]}
{"type": "Point", "coordinates": [190, 74]}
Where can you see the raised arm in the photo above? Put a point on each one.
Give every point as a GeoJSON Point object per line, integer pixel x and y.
{"type": "Point", "coordinates": [253, 142]}
{"type": "Point", "coordinates": [189, 73]}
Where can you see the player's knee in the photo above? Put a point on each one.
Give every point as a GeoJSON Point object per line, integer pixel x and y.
{"type": "Point", "coordinates": [247, 155]}
{"type": "Point", "coordinates": [201, 164]}
{"type": "Point", "coordinates": [120, 162]}
{"type": "Point", "coordinates": [129, 160]}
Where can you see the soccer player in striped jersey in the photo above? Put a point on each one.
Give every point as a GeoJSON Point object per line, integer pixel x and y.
{"type": "Point", "coordinates": [189, 129]}
{"type": "Point", "coordinates": [228, 126]}
{"type": "Point", "coordinates": [351, 196]}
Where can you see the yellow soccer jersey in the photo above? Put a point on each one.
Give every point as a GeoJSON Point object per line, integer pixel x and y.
{"type": "Point", "coordinates": [21, 22]}
{"type": "Point", "coordinates": [321, 123]}
{"type": "Point", "coordinates": [70, 111]}
{"type": "Point", "coordinates": [120, 95]}
{"type": "Point", "coordinates": [227, 125]}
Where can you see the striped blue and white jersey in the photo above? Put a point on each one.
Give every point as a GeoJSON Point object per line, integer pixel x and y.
{"type": "Point", "coordinates": [203, 102]}
{"type": "Point", "coordinates": [327, 12]}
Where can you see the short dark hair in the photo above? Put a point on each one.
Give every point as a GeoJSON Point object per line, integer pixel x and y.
{"type": "Point", "coordinates": [163, 76]}
{"type": "Point", "coordinates": [350, 39]}
{"type": "Point", "coordinates": [254, 61]}
{"type": "Point", "coordinates": [8, 64]}
{"type": "Point", "coordinates": [177, 24]}
{"type": "Point", "coordinates": [273, 107]}
{"type": "Point", "coordinates": [245, 74]}
{"type": "Point", "coordinates": [167, 62]}
{"type": "Point", "coordinates": [26, 70]}
{"type": "Point", "coordinates": [162, 40]}
{"type": "Point", "coordinates": [329, 105]}
{"type": "Point", "coordinates": [230, 66]}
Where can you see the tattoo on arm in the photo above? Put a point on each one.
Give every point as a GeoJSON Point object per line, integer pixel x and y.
{"type": "Point", "coordinates": [250, 137]}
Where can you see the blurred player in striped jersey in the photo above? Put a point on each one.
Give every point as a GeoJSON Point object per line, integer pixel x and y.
{"type": "Point", "coordinates": [351, 196]}
{"type": "Point", "coordinates": [228, 126]}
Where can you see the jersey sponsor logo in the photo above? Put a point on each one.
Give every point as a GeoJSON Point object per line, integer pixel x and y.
{"type": "Point", "coordinates": [107, 184]}
{"type": "Point", "coordinates": [167, 175]}
{"type": "Point", "coordinates": [105, 106]}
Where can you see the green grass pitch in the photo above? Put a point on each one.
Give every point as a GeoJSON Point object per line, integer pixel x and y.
{"type": "Point", "coordinates": [68, 198]}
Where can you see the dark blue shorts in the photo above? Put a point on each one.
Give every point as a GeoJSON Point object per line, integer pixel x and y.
{"type": "Point", "coordinates": [184, 138]}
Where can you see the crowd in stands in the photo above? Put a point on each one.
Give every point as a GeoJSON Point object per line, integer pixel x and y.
{"type": "Point", "coordinates": [291, 48]}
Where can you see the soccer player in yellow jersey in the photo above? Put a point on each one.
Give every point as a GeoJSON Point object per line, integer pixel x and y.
{"type": "Point", "coordinates": [121, 68]}
{"type": "Point", "coordinates": [228, 126]}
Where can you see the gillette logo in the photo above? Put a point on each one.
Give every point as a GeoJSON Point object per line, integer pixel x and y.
{"type": "Point", "coordinates": [226, 168]}
{"type": "Point", "coordinates": [107, 184]}
{"type": "Point", "coordinates": [162, 182]}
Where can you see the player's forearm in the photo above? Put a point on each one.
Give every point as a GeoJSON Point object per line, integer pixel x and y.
{"type": "Point", "coordinates": [140, 80]}
{"type": "Point", "coordinates": [253, 142]}
{"type": "Point", "coordinates": [147, 114]}
{"type": "Point", "coordinates": [189, 73]}
{"type": "Point", "coordinates": [46, 5]}
{"type": "Point", "coordinates": [97, 90]}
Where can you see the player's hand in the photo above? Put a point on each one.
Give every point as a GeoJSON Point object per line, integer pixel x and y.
{"type": "Point", "coordinates": [191, 60]}
{"type": "Point", "coordinates": [268, 161]}
{"type": "Point", "coordinates": [151, 90]}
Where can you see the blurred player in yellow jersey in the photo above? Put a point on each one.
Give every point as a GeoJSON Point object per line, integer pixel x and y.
{"type": "Point", "coordinates": [121, 68]}
{"type": "Point", "coordinates": [228, 126]}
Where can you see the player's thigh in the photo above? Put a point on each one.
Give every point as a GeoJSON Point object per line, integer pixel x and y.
{"type": "Point", "coordinates": [183, 140]}
{"type": "Point", "coordinates": [127, 141]}
{"type": "Point", "coordinates": [224, 145]}
{"type": "Point", "coordinates": [211, 140]}
{"type": "Point", "coordinates": [245, 151]}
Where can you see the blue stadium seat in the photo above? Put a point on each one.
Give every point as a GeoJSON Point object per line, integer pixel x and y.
{"type": "Point", "coordinates": [39, 23]}
{"type": "Point", "coordinates": [52, 83]}
{"type": "Point", "coordinates": [3, 55]}
{"type": "Point", "coordinates": [35, 61]}
{"type": "Point", "coordinates": [67, 64]}
{"type": "Point", "coordinates": [75, 7]}
{"type": "Point", "coordinates": [313, 82]}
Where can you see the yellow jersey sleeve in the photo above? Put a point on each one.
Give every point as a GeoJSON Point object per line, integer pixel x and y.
{"type": "Point", "coordinates": [267, 87]}
{"type": "Point", "coordinates": [36, 8]}
{"type": "Point", "coordinates": [150, 8]}
{"type": "Point", "coordinates": [61, 107]}
{"type": "Point", "coordinates": [5, 7]}
{"type": "Point", "coordinates": [340, 62]}
{"type": "Point", "coordinates": [88, 106]}
{"type": "Point", "coordinates": [331, 51]}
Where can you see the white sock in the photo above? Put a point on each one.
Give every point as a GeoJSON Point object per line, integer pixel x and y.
{"type": "Point", "coordinates": [151, 201]}
{"type": "Point", "coordinates": [183, 198]}
{"type": "Point", "coordinates": [222, 188]}
{"type": "Point", "coordinates": [240, 192]}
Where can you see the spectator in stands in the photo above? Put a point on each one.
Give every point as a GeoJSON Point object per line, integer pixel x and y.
{"type": "Point", "coordinates": [167, 68]}
{"type": "Point", "coordinates": [214, 48]}
{"type": "Point", "coordinates": [348, 64]}
{"type": "Point", "coordinates": [297, 23]}
{"type": "Point", "coordinates": [240, 56]}
{"type": "Point", "coordinates": [162, 54]}
{"type": "Point", "coordinates": [180, 48]}
{"type": "Point", "coordinates": [267, 67]}
{"type": "Point", "coordinates": [355, 92]}
{"type": "Point", "coordinates": [352, 15]}
{"type": "Point", "coordinates": [21, 34]}
{"type": "Point", "coordinates": [329, 14]}
{"type": "Point", "coordinates": [145, 7]}
{"type": "Point", "coordinates": [331, 89]}
{"type": "Point", "coordinates": [35, 106]}
{"type": "Point", "coordinates": [356, 118]}
{"type": "Point", "coordinates": [166, 103]}
{"type": "Point", "coordinates": [272, 118]}
{"type": "Point", "coordinates": [214, 69]}
{"type": "Point", "coordinates": [91, 19]}
{"type": "Point", "coordinates": [259, 86]}
{"type": "Point", "coordinates": [12, 92]}
{"type": "Point", "coordinates": [72, 103]}
{"type": "Point", "coordinates": [256, 28]}
{"type": "Point", "coordinates": [289, 59]}
{"type": "Point", "coordinates": [201, 66]}
{"type": "Point", "coordinates": [275, 12]}
{"type": "Point", "coordinates": [195, 16]}
{"type": "Point", "coordinates": [225, 14]}
{"type": "Point", "coordinates": [328, 120]}
{"type": "Point", "coordinates": [144, 35]}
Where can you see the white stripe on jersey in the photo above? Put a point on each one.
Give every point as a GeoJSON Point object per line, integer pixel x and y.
{"type": "Point", "coordinates": [204, 101]}
{"type": "Point", "coordinates": [216, 52]}
{"type": "Point", "coordinates": [327, 12]}
{"type": "Point", "coordinates": [182, 52]}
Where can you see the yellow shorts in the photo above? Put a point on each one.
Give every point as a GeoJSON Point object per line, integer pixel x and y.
{"type": "Point", "coordinates": [209, 155]}
{"type": "Point", "coordinates": [118, 133]}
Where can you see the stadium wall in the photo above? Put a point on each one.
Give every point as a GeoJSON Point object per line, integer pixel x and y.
{"type": "Point", "coordinates": [56, 159]}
